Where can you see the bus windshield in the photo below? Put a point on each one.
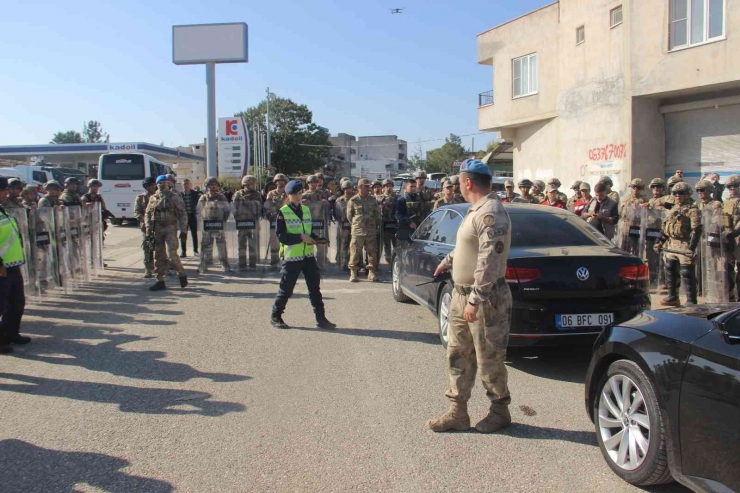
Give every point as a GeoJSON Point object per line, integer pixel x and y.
{"type": "Point", "coordinates": [122, 167]}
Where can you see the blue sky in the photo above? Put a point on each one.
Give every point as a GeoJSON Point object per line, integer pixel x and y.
{"type": "Point", "coordinates": [359, 69]}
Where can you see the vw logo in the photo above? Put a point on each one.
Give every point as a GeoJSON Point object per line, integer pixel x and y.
{"type": "Point", "coordinates": [582, 274]}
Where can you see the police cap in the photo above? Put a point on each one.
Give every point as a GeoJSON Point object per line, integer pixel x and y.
{"type": "Point", "coordinates": [475, 167]}
{"type": "Point", "coordinates": [293, 187]}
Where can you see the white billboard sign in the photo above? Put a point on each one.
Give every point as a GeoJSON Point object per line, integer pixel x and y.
{"type": "Point", "coordinates": [206, 43]}
{"type": "Point", "coordinates": [233, 147]}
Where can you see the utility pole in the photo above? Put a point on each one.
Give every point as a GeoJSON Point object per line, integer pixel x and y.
{"type": "Point", "coordinates": [269, 150]}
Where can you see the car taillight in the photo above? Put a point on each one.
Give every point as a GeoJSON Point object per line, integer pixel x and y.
{"type": "Point", "coordinates": [521, 275]}
{"type": "Point", "coordinates": [635, 272]}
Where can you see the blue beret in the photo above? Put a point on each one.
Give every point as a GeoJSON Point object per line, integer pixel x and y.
{"type": "Point", "coordinates": [475, 166]}
{"type": "Point", "coordinates": [161, 178]}
{"type": "Point", "coordinates": [294, 186]}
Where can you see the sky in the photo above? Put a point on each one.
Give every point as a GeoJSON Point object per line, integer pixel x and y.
{"type": "Point", "coordinates": [358, 68]}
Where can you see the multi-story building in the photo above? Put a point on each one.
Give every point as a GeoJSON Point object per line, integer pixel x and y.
{"type": "Point", "coordinates": [371, 157]}
{"type": "Point", "coordinates": [194, 171]}
{"type": "Point", "coordinates": [624, 88]}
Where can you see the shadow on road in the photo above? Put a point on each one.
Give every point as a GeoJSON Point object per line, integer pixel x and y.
{"type": "Point", "coordinates": [399, 335]}
{"type": "Point", "coordinates": [128, 399]}
{"type": "Point", "coordinates": [521, 430]}
{"type": "Point", "coordinates": [32, 469]}
{"type": "Point", "coordinates": [566, 364]}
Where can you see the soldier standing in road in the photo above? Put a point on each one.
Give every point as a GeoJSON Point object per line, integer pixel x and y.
{"type": "Point", "coordinates": [525, 196]}
{"type": "Point", "coordinates": [70, 197]}
{"type": "Point", "coordinates": [509, 189]}
{"type": "Point", "coordinates": [389, 224]}
{"type": "Point", "coordinates": [480, 312]}
{"type": "Point", "coordinates": [92, 196]}
{"type": "Point", "coordinates": [274, 201]}
{"type": "Point", "coordinates": [576, 187]}
{"type": "Point", "coordinates": [538, 190]}
{"type": "Point", "coordinates": [561, 197]}
{"type": "Point", "coordinates": [426, 196]}
{"type": "Point", "coordinates": [363, 214]}
{"type": "Point", "coordinates": [165, 213]}
{"type": "Point", "coordinates": [140, 205]}
{"type": "Point", "coordinates": [53, 191]}
{"type": "Point", "coordinates": [731, 226]}
{"type": "Point", "coordinates": [293, 228]}
{"type": "Point", "coordinates": [449, 196]}
{"type": "Point", "coordinates": [629, 218]}
{"type": "Point", "coordinates": [654, 227]}
{"type": "Point", "coordinates": [681, 234]}
{"type": "Point", "coordinates": [344, 227]}
{"type": "Point", "coordinates": [408, 208]}
{"type": "Point", "coordinates": [213, 206]}
{"type": "Point", "coordinates": [15, 201]}
{"type": "Point", "coordinates": [247, 206]}
{"type": "Point", "coordinates": [315, 199]}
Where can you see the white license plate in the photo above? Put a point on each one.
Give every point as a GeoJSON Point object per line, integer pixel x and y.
{"type": "Point", "coordinates": [584, 320]}
{"type": "Point", "coordinates": [124, 205]}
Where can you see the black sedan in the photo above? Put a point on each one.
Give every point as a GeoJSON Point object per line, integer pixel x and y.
{"type": "Point", "coordinates": [663, 391]}
{"type": "Point", "coordinates": [567, 280]}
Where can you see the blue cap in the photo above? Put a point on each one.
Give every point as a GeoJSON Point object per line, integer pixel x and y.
{"type": "Point", "coordinates": [294, 186]}
{"type": "Point", "coordinates": [161, 178]}
{"type": "Point", "coordinates": [475, 166]}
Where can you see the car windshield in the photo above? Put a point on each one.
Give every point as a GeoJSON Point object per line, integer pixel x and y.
{"type": "Point", "coordinates": [553, 230]}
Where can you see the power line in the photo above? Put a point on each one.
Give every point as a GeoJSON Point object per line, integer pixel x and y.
{"type": "Point", "coordinates": [356, 143]}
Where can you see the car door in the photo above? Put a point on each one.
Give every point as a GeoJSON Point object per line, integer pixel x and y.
{"type": "Point", "coordinates": [418, 245]}
{"type": "Point", "coordinates": [440, 243]}
{"type": "Point", "coordinates": [710, 408]}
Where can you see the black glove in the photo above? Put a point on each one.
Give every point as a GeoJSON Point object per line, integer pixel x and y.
{"type": "Point", "coordinates": [694, 241]}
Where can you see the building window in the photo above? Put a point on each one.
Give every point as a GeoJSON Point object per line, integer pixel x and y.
{"type": "Point", "coordinates": [580, 34]}
{"type": "Point", "coordinates": [695, 22]}
{"type": "Point", "coordinates": [525, 80]}
{"type": "Point", "coordinates": [615, 16]}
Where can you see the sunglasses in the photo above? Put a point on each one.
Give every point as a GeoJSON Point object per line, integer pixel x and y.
{"type": "Point", "coordinates": [449, 187]}
{"type": "Point", "coordinates": [510, 188]}
{"type": "Point", "coordinates": [701, 190]}
{"type": "Point", "coordinates": [731, 187]}
{"type": "Point", "coordinates": [678, 193]}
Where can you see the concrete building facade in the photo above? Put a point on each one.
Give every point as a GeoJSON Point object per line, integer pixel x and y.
{"type": "Point", "coordinates": [373, 157]}
{"type": "Point", "coordinates": [193, 171]}
{"type": "Point", "coordinates": [624, 88]}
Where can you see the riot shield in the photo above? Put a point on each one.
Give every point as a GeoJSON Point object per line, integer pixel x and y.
{"type": "Point", "coordinates": [714, 284]}
{"type": "Point", "coordinates": [64, 254]}
{"type": "Point", "coordinates": [651, 223]}
{"type": "Point", "coordinates": [248, 231]}
{"type": "Point", "coordinates": [78, 260]}
{"type": "Point", "coordinates": [343, 235]}
{"type": "Point", "coordinates": [95, 213]}
{"type": "Point", "coordinates": [629, 233]}
{"type": "Point", "coordinates": [28, 269]}
{"type": "Point", "coordinates": [216, 230]}
{"type": "Point", "coordinates": [320, 230]}
{"type": "Point", "coordinates": [46, 255]}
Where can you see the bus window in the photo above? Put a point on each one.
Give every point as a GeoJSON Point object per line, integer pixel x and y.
{"type": "Point", "coordinates": [153, 169]}
{"type": "Point", "coordinates": [122, 167]}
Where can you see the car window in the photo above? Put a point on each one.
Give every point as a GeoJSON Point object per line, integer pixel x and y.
{"type": "Point", "coordinates": [446, 231]}
{"type": "Point", "coordinates": [39, 176]}
{"type": "Point", "coordinates": [553, 230]}
{"type": "Point", "coordinates": [424, 231]}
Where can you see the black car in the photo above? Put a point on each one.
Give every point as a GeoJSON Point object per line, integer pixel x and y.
{"type": "Point", "coordinates": [663, 391]}
{"type": "Point", "coordinates": [567, 280]}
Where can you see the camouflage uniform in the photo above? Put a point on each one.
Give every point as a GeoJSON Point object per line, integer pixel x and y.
{"type": "Point", "coordinates": [69, 197]}
{"type": "Point", "coordinates": [14, 203]}
{"type": "Point", "coordinates": [629, 220]}
{"type": "Point", "coordinates": [213, 207]}
{"type": "Point", "coordinates": [247, 207]}
{"type": "Point", "coordinates": [315, 201]}
{"type": "Point", "coordinates": [653, 231]}
{"type": "Point", "coordinates": [48, 201]}
{"type": "Point", "coordinates": [364, 216]}
{"type": "Point", "coordinates": [140, 206]}
{"type": "Point", "coordinates": [442, 201]}
{"type": "Point", "coordinates": [389, 224]}
{"type": "Point", "coordinates": [165, 214]}
{"type": "Point", "coordinates": [344, 235]}
{"type": "Point", "coordinates": [275, 200]}
{"type": "Point", "coordinates": [478, 265]}
{"type": "Point", "coordinates": [731, 227]}
{"type": "Point", "coordinates": [540, 195]}
{"type": "Point", "coordinates": [561, 196]}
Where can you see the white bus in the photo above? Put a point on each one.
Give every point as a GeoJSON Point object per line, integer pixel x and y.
{"type": "Point", "coordinates": [121, 174]}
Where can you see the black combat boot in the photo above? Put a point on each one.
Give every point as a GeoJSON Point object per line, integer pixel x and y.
{"type": "Point", "coordinates": [277, 321]}
{"type": "Point", "coordinates": [159, 286]}
{"type": "Point", "coordinates": [671, 280]}
{"type": "Point", "coordinates": [321, 320]}
{"type": "Point", "coordinates": [183, 281]}
{"type": "Point", "coordinates": [18, 339]}
{"type": "Point", "coordinates": [688, 274]}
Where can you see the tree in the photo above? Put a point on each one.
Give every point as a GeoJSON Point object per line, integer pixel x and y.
{"type": "Point", "coordinates": [92, 132]}
{"type": "Point", "coordinates": [68, 137]}
{"type": "Point", "coordinates": [417, 160]}
{"type": "Point", "coordinates": [298, 144]}
{"type": "Point", "coordinates": [441, 159]}
{"type": "Point", "coordinates": [492, 145]}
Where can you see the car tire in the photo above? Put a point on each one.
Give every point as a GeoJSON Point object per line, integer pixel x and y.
{"type": "Point", "coordinates": [396, 282]}
{"type": "Point", "coordinates": [443, 313]}
{"type": "Point", "coordinates": [624, 431]}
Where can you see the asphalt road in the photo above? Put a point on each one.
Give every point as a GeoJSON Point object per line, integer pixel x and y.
{"type": "Point", "coordinates": [192, 390]}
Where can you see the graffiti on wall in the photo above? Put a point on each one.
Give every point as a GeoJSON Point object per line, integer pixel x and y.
{"type": "Point", "coordinates": [609, 151]}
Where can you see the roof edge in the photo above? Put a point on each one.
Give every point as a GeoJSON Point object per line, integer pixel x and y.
{"type": "Point", "coordinates": [517, 18]}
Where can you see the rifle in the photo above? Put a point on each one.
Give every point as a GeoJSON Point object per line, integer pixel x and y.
{"type": "Point", "coordinates": [445, 276]}
{"type": "Point", "coordinates": [679, 252]}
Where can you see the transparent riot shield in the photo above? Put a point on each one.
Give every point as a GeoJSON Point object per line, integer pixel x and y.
{"type": "Point", "coordinates": [28, 269]}
{"type": "Point", "coordinates": [629, 232]}
{"type": "Point", "coordinates": [63, 248]}
{"type": "Point", "coordinates": [78, 260]}
{"type": "Point", "coordinates": [248, 231]}
{"type": "Point", "coordinates": [320, 231]}
{"type": "Point", "coordinates": [651, 224]}
{"type": "Point", "coordinates": [216, 232]}
{"type": "Point", "coordinates": [97, 226]}
{"type": "Point", "coordinates": [46, 254]}
{"type": "Point", "coordinates": [714, 284]}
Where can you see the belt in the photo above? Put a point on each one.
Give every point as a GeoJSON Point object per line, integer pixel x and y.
{"type": "Point", "coordinates": [466, 290]}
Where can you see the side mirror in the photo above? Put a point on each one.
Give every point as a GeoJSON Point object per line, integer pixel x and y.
{"type": "Point", "coordinates": [728, 325]}
{"type": "Point", "coordinates": [404, 234]}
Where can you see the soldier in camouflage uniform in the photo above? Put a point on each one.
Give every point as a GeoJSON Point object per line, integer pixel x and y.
{"type": "Point", "coordinates": [480, 311]}
{"type": "Point", "coordinates": [247, 208]}
{"type": "Point", "coordinates": [576, 187]}
{"type": "Point", "coordinates": [53, 191]}
{"type": "Point", "coordinates": [165, 214]}
{"type": "Point", "coordinates": [731, 227]}
{"type": "Point", "coordinates": [70, 197]}
{"type": "Point", "coordinates": [682, 231]}
{"type": "Point", "coordinates": [610, 193]}
{"type": "Point", "coordinates": [343, 225]}
{"type": "Point", "coordinates": [29, 197]}
{"type": "Point", "coordinates": [704, 190]}
{"type": "Point", "coordinates": [455, 180]}
{"type": "Point", "coordinates": [441, 193]}
{"type": "Point", "coordinates": [654, 227]}
{"type": "Point", "coordinates": [448, 198]}
{"type": "Point", "coordinates": [377, 188]}
{"type": "Point", "coordinates": [15, 188]}
{"type": "Point", "coordinates": [213, 206]}
{"type": "Point", "coordinates": [363, 213]}
{"type": "Point", "coordinates": [538, 190]}
{"type": "Point", "coordinates": [509, 190]}
{"type": "Point", "coordinates": [561, 197]}
{"type": "Point", "coordinates": [389, 223]}
{"type": "Point", "coordinates": [629, 218]}
{"type": "Point", "coordinates": [315, 199]}
{"type": "Point", "coordinates": [274, 201]}
{"type": "Point", "coordinates": [142, 201]}
{"type": "Point", "coordinates": [525, 194]}
{"type": "Point", "coordinates": [425, 195]}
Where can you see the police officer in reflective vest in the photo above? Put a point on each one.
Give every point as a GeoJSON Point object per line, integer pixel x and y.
{"type": "Point", "coordinates": [12, 296]}
{"type": "Point", "coordinates": [293, 229]}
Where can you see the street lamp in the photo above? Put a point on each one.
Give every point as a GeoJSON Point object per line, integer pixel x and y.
{"type": "Point", "coordinates": [270, 96]}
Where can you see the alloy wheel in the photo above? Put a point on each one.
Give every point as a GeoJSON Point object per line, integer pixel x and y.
{"type": "Point", "coordinates": [444, 317]}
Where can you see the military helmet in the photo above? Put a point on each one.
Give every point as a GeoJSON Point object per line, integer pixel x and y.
{"type": "Point", "coordinates": [312, 179]}
{"type": "Point", "coordinates": [279, 177]}
{"type": "Point", "coordinates": [637, 183]}
{"type": "Point", "coordinates": [455, 179]}
{"type": "Point", "coordinates": [606, 181]}
{"type": "Point", "coordinates": [320, 176]}
{"type": "Point", "coordinates": [149, 180]}
{"type": "Point", "coordinates": [539, 184]}
{"type": "Point", "coordinates": [346, 184]}
{"type": "Point", "coordinates": [656, 182]}
{"type": "Point", "coordinates": [171, 177]}
{"type": "Point", "coordinates": [508, 183]}
{"type": "Point", "coordinates": [554, 181]}
{"type": "Point", "coordinates": [363, 182]}
{"type": "Point", "coordinates": [247, 179]}
{"type": "Point", "coordinates": [682, 186]}
{"type": "Point", "coordinates": [94, 183]}
{"type": "Point", "coordinates": [585, 186]}
{"type": "Point", "coordinates": [211, 180]}
{"type": "Point", "coordinates": [420, 174]}
{"type": "Point", "coordinates": [377, 183]}
{"type": "Point", "coordinates": [51, 184]}
{"type": "Point", "coordinates": [704, 185]}
{"type": "Point", "coordinates": [576, 185]}
{"type": "Point", "coordinates": [71, 180]}
{"type": "Point", "coordinates": [525, 183]}
{"type": "Point", "coordinates": [29, 188]}
{"type": "Point", "coordinates": [387, 181]}
{"type": "Point", "coordinates": [15, 182]}
{"type": "Point", "coordinates": [733, 180]}
{"type": "Point", "coordinates": [673, 180]}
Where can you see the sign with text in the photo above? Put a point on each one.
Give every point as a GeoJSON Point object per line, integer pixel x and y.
{"type": "Point", "coordinates": [233, 147]}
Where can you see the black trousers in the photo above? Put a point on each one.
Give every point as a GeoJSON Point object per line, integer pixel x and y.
{"type": "Point", "coordinates": [290, 272]}
{"type": "Point", "coordinates": [193, 227]}
{"type": "Point", "coordinates": [12, 303]}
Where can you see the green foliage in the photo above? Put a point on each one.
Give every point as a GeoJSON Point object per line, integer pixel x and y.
{"type": "Point", "coordinates": [68, 137]}
{"type": "Point", "coordinates": [441, 159]}
{"type": "Point", "coordinates": [292, 126]}
{"type": "Point", "coordinates": [92, 132]}
{"type": "Point", "coordinates": [492, 146]}
{"type": "Point", "coordinates": [230, 183]}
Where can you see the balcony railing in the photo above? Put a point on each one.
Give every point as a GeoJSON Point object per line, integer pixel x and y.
{"type": "Point", "coordinates": [485, 98]}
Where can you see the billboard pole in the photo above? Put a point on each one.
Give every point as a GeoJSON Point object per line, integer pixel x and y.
{"type": "Point", "coordinates": [269, 158]}
{"type": "Point", "coordinates": [211, 142]}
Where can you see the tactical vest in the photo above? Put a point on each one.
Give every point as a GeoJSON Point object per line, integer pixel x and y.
{"type": "Point", "coordinates": [728, 207]}
{"type": "Point", "coordinates": [296, 226]}
{"type": "Point", "coordinates": [678, 224]}
{"type": "Point", "coordinates": [414, 206]}
{"type": "Point", "coordinates": [11, 250]}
